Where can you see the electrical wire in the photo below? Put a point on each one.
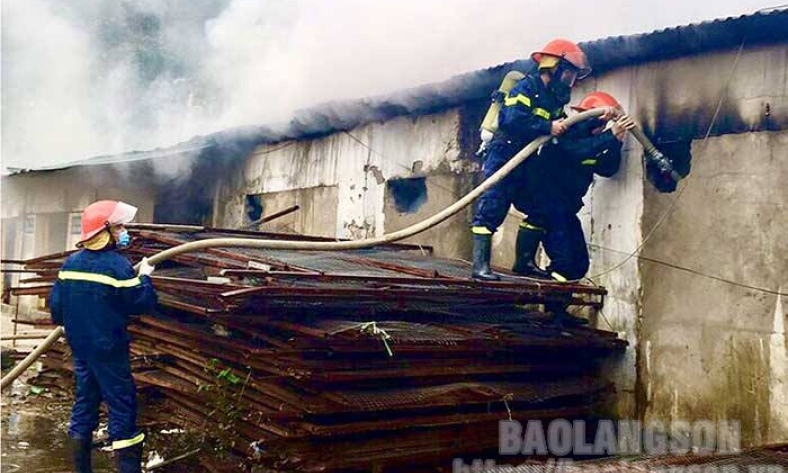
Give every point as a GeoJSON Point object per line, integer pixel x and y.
{"type": "Point", "coordinates": [451, 192]}
{"type": "Point", "coordinates": [273, 150]}
{"type": "Point", "coordinates": [681, 191]}
{"type": "Point", "coordinates": [631, 255]}
{"type": "Point", "coordinates": [663, 217]}
{"type": "Point", "coordinates": [693, 271]}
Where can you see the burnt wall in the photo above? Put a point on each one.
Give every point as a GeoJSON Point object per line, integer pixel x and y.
{"type": "Point", "coordinates": [711, 340]}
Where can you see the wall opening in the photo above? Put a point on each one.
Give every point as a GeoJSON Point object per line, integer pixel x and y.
{"type": "Point", "coordinates": [409, 194]}
{"type": "Point", "coordinates": [679, 154]}
{"type": "Point", "coordinates": [253, 207]}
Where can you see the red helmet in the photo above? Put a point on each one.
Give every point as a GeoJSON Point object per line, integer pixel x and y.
{"type": "Point", "coordinates": [596, 100]}
{"type": "Point", "coordinates": [100, 215]}
{"type": "Point", "coordinates": [569, 52]}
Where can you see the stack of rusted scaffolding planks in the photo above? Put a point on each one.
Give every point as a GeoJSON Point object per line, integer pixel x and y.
{"type": "Point", "coordinates": [333, 360]}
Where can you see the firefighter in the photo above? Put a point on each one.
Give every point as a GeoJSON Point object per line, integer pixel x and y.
{"type": "Point", "coordinates": [96, 291]}
{"type": "Point", "coordinates": [553, 194]}
{"type": "Point", "coordinates": [533, 107]}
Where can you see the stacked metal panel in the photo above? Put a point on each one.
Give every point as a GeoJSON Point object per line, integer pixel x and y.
{"type": "Point", "coordinates": [321, 361]}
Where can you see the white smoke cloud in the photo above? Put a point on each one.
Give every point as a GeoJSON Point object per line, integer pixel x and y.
{"type": "Point", "coordinates": [88, 77]}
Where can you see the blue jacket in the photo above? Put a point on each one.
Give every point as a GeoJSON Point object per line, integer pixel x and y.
{"type": "Point", "coordinates": [560, 175]}
{"type": "Point", "coordinates": [526, 113]}
{"type": "Point", "coordinates": [95, 293]}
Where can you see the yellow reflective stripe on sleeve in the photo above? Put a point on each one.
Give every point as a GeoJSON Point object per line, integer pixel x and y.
{"type": "Point", "coordinates": [120, 444]}
{"type": "Point", "coordinates": [588, 162]}
{"type": "Point", "coordinates": [98, 278]}
{"type": "Point", "coordinates": [558, 277]}
{"type": "Point", "coordinates": [529, 226]}
{"type": "Point", "coordinates": [542, 113]}
{"type": "Point", "coordinates": [519, 98]}
{"type": "Point", "coordinates": [480, 230]}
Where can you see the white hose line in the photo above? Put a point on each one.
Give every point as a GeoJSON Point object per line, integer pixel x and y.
{"type": "Point", "coordinates": [32, 357]}
{"type": "Point", "coordinates": [417, 228]}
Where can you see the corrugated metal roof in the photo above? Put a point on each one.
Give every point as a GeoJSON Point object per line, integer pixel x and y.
{"type": "Point", "coordinates": [763, 27]}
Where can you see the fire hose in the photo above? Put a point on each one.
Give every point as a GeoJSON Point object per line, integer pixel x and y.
{"type": "Point", "coordinates": [651, 153]}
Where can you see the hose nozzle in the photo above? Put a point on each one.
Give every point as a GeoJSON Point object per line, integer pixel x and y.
{"type": "Point", "coordinates": [663, 164]}
{"type": "Point", "coordinates": [655, 156]}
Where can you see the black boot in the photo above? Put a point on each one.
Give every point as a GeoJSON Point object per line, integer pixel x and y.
{"type": "Point", "coordinates": [562, 317]}
{"type": "Point", "coordinates": [482, 246]}
{"type": "Point", "coordinates": [80, 454]}
{"type": "Point", "coordinates": [129, 459]}
{"type": "Point", "coordinates": [527, 244]}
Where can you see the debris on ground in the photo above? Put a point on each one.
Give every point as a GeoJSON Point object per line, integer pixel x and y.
{"type": "Point", "coordinates": [316, 361]}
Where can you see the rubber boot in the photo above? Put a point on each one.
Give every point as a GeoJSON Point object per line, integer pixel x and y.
{"type": "Point", "coordinates": [80, 454]}
{"type": "Point", "coordinates": [129, 459]}
{"type": "Point", "coordinates": [482, 246]}
{"type": "Point", "coordinates": [562, 317]}
{"type": "Point", "coordinates": [527, 244]}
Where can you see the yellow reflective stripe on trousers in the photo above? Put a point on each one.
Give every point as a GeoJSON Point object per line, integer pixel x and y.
{"type": "Point", "coordinates": [588, 162]}
{"type": "Point", "coordinates": [529, 226]}
{"type": "Point", "coordinates": [120, 444]}
{"type": "Point", "coordinates": [519, 98]}
{"type": "Point", "coordinates": [558, 277]}
{"type": "Point", "coordinates": [542, 113]}
{"type": "Point", "coordinates": [480, 231]}
{"type": "Point", "coordinates": [98, 278]}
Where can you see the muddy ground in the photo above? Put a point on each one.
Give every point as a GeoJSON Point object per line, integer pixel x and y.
{"type": "Point", "coordinates": [34, 429]}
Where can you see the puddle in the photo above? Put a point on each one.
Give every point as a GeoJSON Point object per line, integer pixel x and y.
{"type": "Point", "coordinates": [36, 441]}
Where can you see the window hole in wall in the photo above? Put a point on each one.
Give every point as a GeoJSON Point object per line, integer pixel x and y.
{"type": "Point", "coordinates": [253, 207]}
{"type": "Point", "coordinates": [409, 194]}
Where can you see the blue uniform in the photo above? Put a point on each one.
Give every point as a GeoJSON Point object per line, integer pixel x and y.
{"type": "Point", "coordinates": [553, 193]}
{"type": "Point", "coordinates": [94, 295]}
{"type": "Point", "coordinates": [527, 112]}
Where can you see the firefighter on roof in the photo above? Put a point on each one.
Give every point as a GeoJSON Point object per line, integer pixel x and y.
{"type": "Point", "coordinates": [533, 107]}
{"type": "Point", "coordinates": [552, 194]}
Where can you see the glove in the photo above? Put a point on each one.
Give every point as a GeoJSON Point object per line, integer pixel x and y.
{"type": "Point", "coordinates": [145, 268]}
{"type": "Point", "coordinates": [622, 125]}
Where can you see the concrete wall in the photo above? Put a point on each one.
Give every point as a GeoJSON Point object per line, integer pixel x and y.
{"type": "Point", "coordinates": [713, 349]}
{"type": "Point", "coordinates": [48, 201]}
{"type": "Point", "coordinates": [357, 165]}
{"type": "Point", "coordinates": [703, 349]}
{"type": "Point", "coordinates": [699, 347]}
{"type": "Point", "coordinates": [311, 217]}
{"type": "Point", "coordinates": [53, 196]}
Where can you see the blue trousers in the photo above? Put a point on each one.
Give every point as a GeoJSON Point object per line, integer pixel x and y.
{"type": "Point", "coordinates": [494, 204]}
{"type": "Point", "coordinates": [564, 242]}
{"type": "Point", "coordinates": [109, 380]}
{"type": "Point", "coordinates": [563, 238]}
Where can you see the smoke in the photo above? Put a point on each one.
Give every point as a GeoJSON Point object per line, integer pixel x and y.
{"type": "Point", "coordinates": [89, 77]}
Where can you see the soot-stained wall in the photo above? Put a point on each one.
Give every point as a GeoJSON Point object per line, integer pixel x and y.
{"type": "Point", "coordinates": [713, 349]}
{"type": "Point", "coordinates": [358, 165]}
{"type": "Point", "coordinates": [698, 348]}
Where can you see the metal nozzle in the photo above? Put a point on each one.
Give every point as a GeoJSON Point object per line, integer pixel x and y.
{"type": "Point", "coordinates": [662, 163]}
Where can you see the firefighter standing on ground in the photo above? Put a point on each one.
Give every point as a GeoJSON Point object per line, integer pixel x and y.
{"type": "Point", "coordinates": [533, 107]}
{"type": "Point", "coordinates": [97, 289]}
